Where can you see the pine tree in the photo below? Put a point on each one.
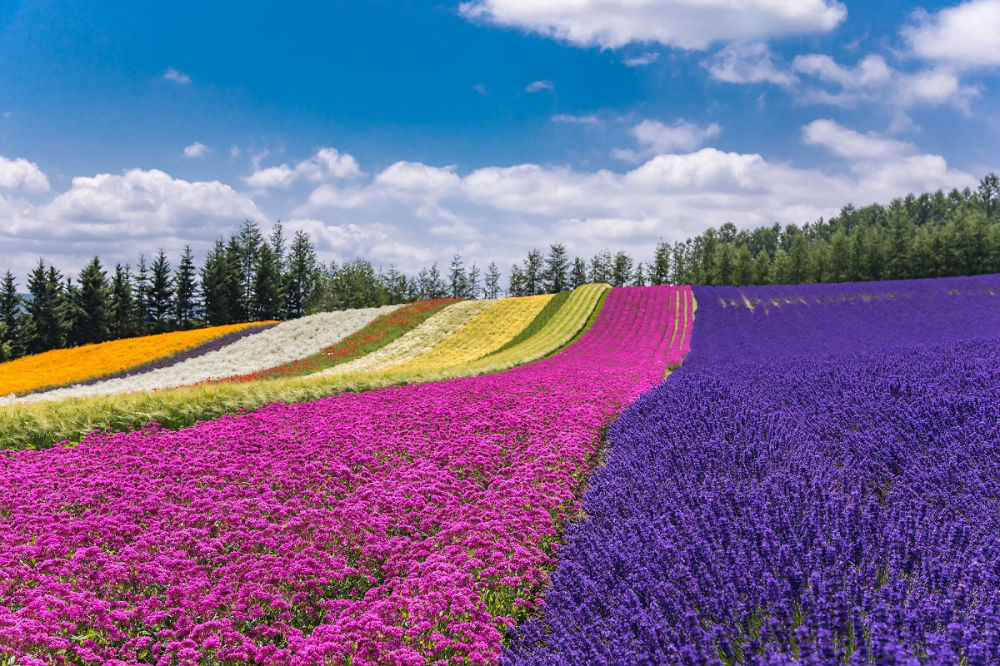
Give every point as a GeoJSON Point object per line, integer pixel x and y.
{"type": "Point", "coordinates": [435, 285]}
{"type": "Point", "coordinates": [491, 283]}
{"type": "Point", "coordinates": [578, 274]}
{"type": "Point", "coordinates": [11, 317]}
{"type": "Point", "coordinates": [531, 273]}
{"type": "Point", "coordinates": [600, 267]}
{"type": "Point", "coordinates": [267, 285]}
{"type": "Point", "coordinates": [659, 272]}
{"type": "Point", "coordinates": [457, 285]}
{"type": "Point", "coordinates": [161, 293]}
{"type": "Point", "coordinates": [621, 269]}
{"type": "Point", "coordinates": [122, 315]}
{"type": "Point", "coordinates": [516, 285]}
{"type": "Point", "coordinates": [248, 241]}
{"type": "Point", "coordinates": [185, 291]}
{"type": "Point", "coordinates": [214, 292]}
{"type": "Point", "coordinates": [141, 291]}
{"type": "Point", "coordinates": [472, 286]}
{"type": "Point", "coordinates": [555, 276]}
{"type": "Point", "coordinates": [47, 327]}
{"type": "Point", "coordinates": [395, 285]}
{"type": "Point", "coordinates": [300, 278]}
{"type": "Point", "coordinates": [91, 322]}
{"type": "Point", "coordinates": [639, 279]}
{"type": "Point", "coordinates": [233, 282]}
{"type": "Point", "coordinates": [71, 313]}
{"type": "Point", "coordinates": [762, 268]}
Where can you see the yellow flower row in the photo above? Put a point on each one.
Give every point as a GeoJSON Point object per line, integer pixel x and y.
{"type": "Point", "coordinates": [61, 367]}
{"type": "Point", "coordinates": [489, 330]}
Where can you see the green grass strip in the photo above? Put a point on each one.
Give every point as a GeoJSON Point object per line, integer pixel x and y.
{"type": "Point", "coordinates": [539, 321]}
{"type": "Point", "coordinates": [43, 424]}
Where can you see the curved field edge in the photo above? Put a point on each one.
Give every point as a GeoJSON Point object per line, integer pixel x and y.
{"type": "Point", "coordinates": [543, 317]}
{"type": "Point", "coordinates": [44, 424]}
{"type": "Point", "coordinates": [59, 357]}
{"type": "Point", "coordinates": [377, 334]}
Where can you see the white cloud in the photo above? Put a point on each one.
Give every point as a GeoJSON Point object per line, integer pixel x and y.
{"type": "Point", "coordinates": [234, 151]}
{"type": "Point", "coordinates": [642, 60]}
{"type": "Point", "coordinates": [196, 149]}
{"type": "Point", "coordinates": [538, 86]}
{"type": "Point", "coordinates": [681, 135]}
{"type": "Point", "coordinates": [325, 164]}
{"type": "Point", "coordinates": [590, 119]}
{"type": "Point", "coordinates": [481, 89]}
{"type": "Point", "coordinates": [748, 63]}
{"type": "Point", "coordinates": [848, 143]}
{"type": "Point", "coordinates": [680, 23]}
{"type": "Point", "coordinates": [966, 35]}
{"type": "Point", "coordinates": [875, 81]}
{"type": "Point", "coordinates": [20, 174]}
{"type": "Point", "coordinates": [179, 77]}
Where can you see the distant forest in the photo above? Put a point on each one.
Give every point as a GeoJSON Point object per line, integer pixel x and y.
{"type": "Point", "coordinates": [252, 277]}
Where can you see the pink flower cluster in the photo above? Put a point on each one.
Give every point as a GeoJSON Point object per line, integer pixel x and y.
{"type": "Point", "coordinates": [400, 526]}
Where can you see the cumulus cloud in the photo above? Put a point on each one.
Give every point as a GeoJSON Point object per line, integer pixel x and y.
{"type": "Point", "coordinates": [538, 86]}
{"type": "Point", "coordinates": [748, 63]}
{"type": "Point", "coordinates": [411, 213]}
{"type": "Point", "coordinates": [325, 164]}
{"type": "Point", "coordinates": [196, 149]}
{"type": "Point", "coordinates": [872, 79]}
{"type": "Point", "coordinates": [656, 137]}
{"type": "Point", "coordinates": [679, 23]}
{"type": "Point", "coordinates": [966, 35]}
{"type": "Point", "coordinates": [20, 174]}
{"type": "Point", "coordinates": [178, 77]}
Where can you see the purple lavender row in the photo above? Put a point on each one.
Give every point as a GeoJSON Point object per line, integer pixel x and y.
{"type": "Point", "coordinates": [194, 352]}
{"type": "Point", "coordinates": [818, 484]}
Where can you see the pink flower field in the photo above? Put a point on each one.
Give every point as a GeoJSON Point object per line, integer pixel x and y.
{"type": "Point", "coordinates": [402, 526]}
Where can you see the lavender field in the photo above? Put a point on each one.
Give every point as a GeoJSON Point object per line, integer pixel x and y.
{"type": "Point", "coordinates": [819, 484]}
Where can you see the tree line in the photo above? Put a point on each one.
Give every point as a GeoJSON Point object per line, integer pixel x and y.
{"type": "Point", "coordinates": [252, 277]}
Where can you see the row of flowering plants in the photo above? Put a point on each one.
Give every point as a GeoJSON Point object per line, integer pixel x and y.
{"type": "Point", "coordinates": [399, 526]}
{"type": "Point", "coordinates": [377, 334]}
{"type": "Point", "coordinates": [281, 344]}
{"type": "Point", "coordinates": [60, 367]}
{"type": "Point", "coordinates": [817, 484]}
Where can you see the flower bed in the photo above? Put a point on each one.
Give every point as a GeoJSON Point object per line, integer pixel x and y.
{"type": "Point", "coordinates": [817, 485]}
{"type": "Point", "coordinates": [399, 526]}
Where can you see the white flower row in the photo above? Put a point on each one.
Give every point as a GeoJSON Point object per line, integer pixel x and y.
{"type": "Point", "coordinates": [412, 344]}
{"type": "Point", "coordinates": [286, 342]}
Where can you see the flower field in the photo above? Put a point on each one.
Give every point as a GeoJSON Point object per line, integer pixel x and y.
{"type": "Point", "coordinates": [399, 526]}
{"type": "Point", "coordinates": [283, 343]}
{"type": "Point", "coordinates": [60, 367]}
{"type": "Point", "coordinates": [43, 423]}
{"type": "Point", "coordinates": [485, 333]}
{"type": "Point", "coordinates": [378, 333]}
{"type": "Point", "coordinates": [816, 485]}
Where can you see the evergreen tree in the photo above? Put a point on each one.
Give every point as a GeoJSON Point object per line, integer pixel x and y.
{"type": "Point", "coordinates": [122, 314]}
{"type": "Point", "coordinates": [214, 292]}
{"type": "Point", "coordinates": [161, 293]}
{"type": "Point", "coordinates": [516, 285]}
{"type": "Point", "coordinates": [491, 283]}
{"type": "Point", "coordinates": [435, 285]}
{"type": "Point", "coordinates": [185, 291]}
{"type": "Point", "coordinates": [578, 274]}
{"type": "Point", "coordinates": [249, 241]}
{"type": "Point", "coordinates": [555, 277]}
{"type": "Point", "coordinates": [395, 285]}
{"type": "Point", "coordinates": [91, 322]}
{"type": "Point", "coordinates": [236, 296]}
{"type": "Point", "coordinates": [457, 284]}
{"type": "Point", "coordinates": [472, 286]}
{"type": "Point", "coordinates": [11, 318]}
{"type": "Point", "coordinates": [267, 285]}
{"type": "Point", "coordinates": [301, 277]}
{"type": "Point", "coordinates": [639, 279]}
{"type": "Point", "coordinates": [47, 326]}
{"type": "Point", "coordinates": [621, 269]}
{"type": "Point", "coordinates": [141, 291]}
{"type": "Point", "coordinates": [531, 273]}
{"type": "Point", "coordinates": [600, 267]}
{"type": "Point", "coordinates": [743, 270]}
{"type": "Point", "coordinates": [762, 268]}
{"type": "Point", "coordinates": [659, 272]}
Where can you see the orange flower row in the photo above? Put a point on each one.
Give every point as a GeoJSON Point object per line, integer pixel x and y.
{"type": "Point", "coordinates": [61, 367]}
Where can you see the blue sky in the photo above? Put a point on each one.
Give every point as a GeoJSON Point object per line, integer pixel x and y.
{"type": "Point", "coordinates": [408, 131]}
